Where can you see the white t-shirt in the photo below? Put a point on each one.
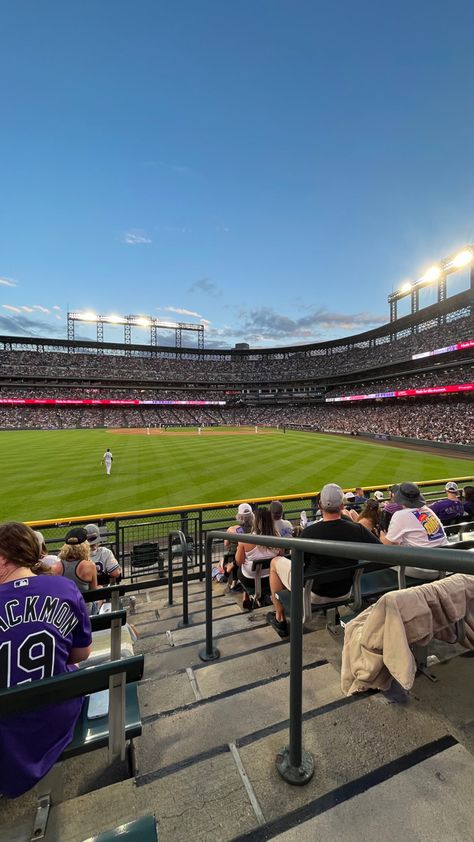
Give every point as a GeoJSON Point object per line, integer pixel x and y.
{"type": "Point", "coordinates": [417, 528]}
{"type": "Point", "coordinates": [104, 560]}
{"type": "Point", "coordinates": [283, 527]}
{"type": "Point", "coordinates": [255, 554]}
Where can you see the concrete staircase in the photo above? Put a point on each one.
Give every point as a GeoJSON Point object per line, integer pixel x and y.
{"type": "Point", "coordinates": [211, 732]}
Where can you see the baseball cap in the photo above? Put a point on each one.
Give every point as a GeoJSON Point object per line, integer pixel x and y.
{"type": "Point", "coordinates": [349, 495]}
{"type": "Point", "coordinates": [331, 497]}
{"type": "Point", "coordinates": [76, 536]}
{"type": "Point", "coordinates": [378, 495]}
{"type": "Point", "coordinates": [409, 495]}
{"type": "Point", "coordinates": [93, 533]}
{"type": "Point", "coordinates": [244, 509]}
{"type": "Point", "coordinates": [451, 486]}
{"type": "Point", "coordinates": [276, 508]}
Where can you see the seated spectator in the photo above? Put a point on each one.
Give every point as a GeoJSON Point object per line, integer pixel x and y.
{"type": "Point", "coordinates": [450, 509]}
{"type": "Point", "coordinates": [47, 559]}
{"type": "Point", "coordinates": [389, 508]}
{"type": "Point", "coordinates": [378, 495]}
{"type": "Point", "coordinates": [370, 516]}
{"type": "Point", "coordinates": [283, 528]}
{"type": "Point", "coordinates": [245, 524]}
{"type": "Point", "coordinates": [246, 554]}
{"type": "Point", "coordinates": [349, 510]}
{"type": "Point", "coordinates": [415, 525]}
{"type": "Point", "coordinates": [74, 561]}
{"type": "Point", "coordinates": [108, 568]}
{"type": "Point", "coordinates": [45, 629]}
{"type": "Point", "coordinates": [359, 498]}
{"type": "Point", "coordinates": [469, 501]}
{"type": "Point", "coordinates": [331, 528]}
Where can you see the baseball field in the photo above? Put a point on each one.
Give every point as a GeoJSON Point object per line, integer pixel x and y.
{"type": "Point", "coordinates": [59, 473]}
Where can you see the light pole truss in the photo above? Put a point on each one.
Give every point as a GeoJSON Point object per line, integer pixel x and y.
{"type": "Point", "coordinates": [130, 322]}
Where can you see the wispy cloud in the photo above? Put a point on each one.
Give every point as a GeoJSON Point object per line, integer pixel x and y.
{"type": "Point", "coordinates": [136, 237]}
{"type": "Point", "coordinates": [181, 310]}
{"type": "Point", "coordinates": [8, 282]}
{"type": "Point", "coordinates": [204, 285]}
{"type": "Point", "coordinates": [41, 308]}
{"type": "Point", "coordinates": [11, 308]}
{"type": "Point", "coordinates": [56, 307]}
{"type": "Point", "coordinates": [20, 325]}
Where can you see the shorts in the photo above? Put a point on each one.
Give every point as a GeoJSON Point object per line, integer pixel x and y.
{"type": "Point", "coordinates": [283, 569]}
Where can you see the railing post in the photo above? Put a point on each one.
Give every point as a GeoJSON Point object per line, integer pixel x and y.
{"type": "Point", "coordinates": [295, 765]}
{"type": "Point", "coordinates": [209, 653]}
{"type": "Point", "coordinates": [170, 570]}
{"type": "Point", "coordinates": [201, 537]}
{"type": "Point", "coordinates": [184, 554]}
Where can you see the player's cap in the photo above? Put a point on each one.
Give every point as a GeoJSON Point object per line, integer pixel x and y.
{"type": "Point", "coordinates": [378, 495]}
{"type": "Point", "coordinates": [409, 495]}
{"type": "Point", "coordinates": [93, 533]}
{"type": "Point", "coordinates": [331, 497]}
{"type": "Point", "coordinates": [451, 486]}
{"type": "Point", "coordinates": [76, 536]}
{"type": "Point", "coordinates": [276, 509]}
{"type": "Point", "coordinates": [349, 496]}
{"type": "Point", "coordinates": [244, 509]}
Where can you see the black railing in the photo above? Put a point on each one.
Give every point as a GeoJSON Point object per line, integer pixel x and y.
{"type": "Point", "coordinates": [295, 764]}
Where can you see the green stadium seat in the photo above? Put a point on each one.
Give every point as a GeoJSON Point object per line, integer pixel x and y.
{"type": "Point", "coordinates": [140, 830]}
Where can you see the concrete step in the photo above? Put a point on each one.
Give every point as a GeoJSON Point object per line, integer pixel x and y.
{"type": "Point", "coordinates": [171, 739]}
{"type": "Point", "coordinates": [429, 802]}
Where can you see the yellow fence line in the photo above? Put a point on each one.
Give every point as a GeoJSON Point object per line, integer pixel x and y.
{"type": "Point", "coordinates": [217, 505]}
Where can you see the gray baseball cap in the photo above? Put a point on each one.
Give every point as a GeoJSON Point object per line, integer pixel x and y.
{"type": "Point", "coordinates": [331, 497]}
{"type": "Point", "coordinates": [93, 533]}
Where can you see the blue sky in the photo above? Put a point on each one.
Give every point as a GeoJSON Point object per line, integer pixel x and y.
{"type": "Point", "coordinates": [273, 167]}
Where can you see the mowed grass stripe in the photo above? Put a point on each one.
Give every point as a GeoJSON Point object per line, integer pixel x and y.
{"type": "Point", "coordinates": [58, 474]}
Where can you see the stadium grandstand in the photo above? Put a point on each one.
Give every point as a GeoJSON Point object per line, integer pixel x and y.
{"type": "Point", "coordinates": [193, 687]}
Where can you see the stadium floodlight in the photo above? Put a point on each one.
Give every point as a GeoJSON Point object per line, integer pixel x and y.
{"type": "Point", "coordinates": [114, 320]}
{"type": "Point", "coordinates": [462, 259]}
{"type": "Point", "coordinates": [406, 287]}
{"type": "Point", "coordinates": [433, 273]}
{"type": "Point", "coordinates": [140, 320]}
{"type": "Point", "coordinates": [88, 317]}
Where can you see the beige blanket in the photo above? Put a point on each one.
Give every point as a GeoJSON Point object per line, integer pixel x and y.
{"type": "Point", "coordinates": [377, 642]}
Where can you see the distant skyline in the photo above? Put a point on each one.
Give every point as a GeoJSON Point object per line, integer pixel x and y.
{"type": "Point", "coordinates": [272, 169]}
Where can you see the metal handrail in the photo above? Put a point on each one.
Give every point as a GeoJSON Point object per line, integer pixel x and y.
{"type": "Point", "coordinates": [294, 763]}
{"type": "Point", "coordinates": [184, 554]}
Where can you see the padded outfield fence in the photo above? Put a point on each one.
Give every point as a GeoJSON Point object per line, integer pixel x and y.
{"type": "Point", "coordinates": [144, 549]}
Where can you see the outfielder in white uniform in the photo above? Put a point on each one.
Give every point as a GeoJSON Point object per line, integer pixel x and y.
{"type": "Point", "coordinates": [107, 459]}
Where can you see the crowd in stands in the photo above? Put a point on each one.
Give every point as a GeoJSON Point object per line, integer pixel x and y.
{"type": "Point", "coordinates": [421, 380]}
{"type": "Point", "coordinates": [443, 420]}
{"type": "Point", "coordinates": [240, 368]}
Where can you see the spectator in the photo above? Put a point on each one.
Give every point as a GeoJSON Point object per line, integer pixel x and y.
{"type": "Point", "coordinates": [359, 498]}
{"type": "Point", "coordinates": [108, 568]}
{"type": "Point", "coordinates": [47, 559]}
{"type": "Point", "coordinates": [415, 525]}
{"type": "Point", "coordinates": [450, 509]}
{"type": "Point", "coordinates": [389, 508]}
{"type": "Point", "coordinates": [378, 495]}
{"type": "Point", "coordinates": [74, 561]}
{"type": "Point", "coordinates": [370, 517]}
{"type": "Point", "coordinates": [246, 554]}
{"type": "Point", "coordinates": [46, 630]}
{"type": "Point", "coordinates": [245, 524]}
{"type": "Point", "coordinates": [283, 528]}
{"type": "Point", "coordinates": [331, 528]}
{"type": "Point", "coordinates": [469, 500]}
{"type": "Point", "coordinates": [349, 511]}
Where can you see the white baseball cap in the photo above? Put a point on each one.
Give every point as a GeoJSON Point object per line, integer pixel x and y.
{"type": "Point", "coordinates": [378, 495]}
{"type": "Point", "coordinates": [451, 486]}
{"type": "Point", "coordinates": [244, 509]}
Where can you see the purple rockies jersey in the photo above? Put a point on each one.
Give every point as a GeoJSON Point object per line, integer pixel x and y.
{"type": "Point", "coordinates": [447, 509]}
{"type": "Point", "coordinates": [41, 619]}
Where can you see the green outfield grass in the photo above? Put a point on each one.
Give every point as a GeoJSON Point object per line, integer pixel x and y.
{"type": "Point", "coordinates": [58, 474]}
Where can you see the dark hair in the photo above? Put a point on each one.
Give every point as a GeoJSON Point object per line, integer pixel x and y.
{"type": "Point", "coordinates": [371, 511]}
{"type": "Point", "coordinates": [276, 510]}
{"type": "Point", "coordinates": [19, 545]}
{"type": "Point", "coordinates": [469, 492]}
{"type": "Point", "coordinates": [264, 522]}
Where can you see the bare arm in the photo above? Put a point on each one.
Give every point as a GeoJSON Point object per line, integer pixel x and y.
{"type": "Point", "coordinates": [384, 540]}
{"type": "Point", "coordinates": [79, 654]}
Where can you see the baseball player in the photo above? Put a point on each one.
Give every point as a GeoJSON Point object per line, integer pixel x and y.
{"type": "Point", "coordinates": [107, 460]}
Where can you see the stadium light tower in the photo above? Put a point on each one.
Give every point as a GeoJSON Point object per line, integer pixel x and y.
{"type": "Point", "coordinates": [436, 274]}
{"type": "Point", "coordinates": [129, 322]}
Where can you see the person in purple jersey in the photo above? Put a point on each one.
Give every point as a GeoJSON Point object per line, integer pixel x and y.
{"type": "Point", "coordinates": [449, 509]}
{"type": "Point", "coordinates": [44, 630]}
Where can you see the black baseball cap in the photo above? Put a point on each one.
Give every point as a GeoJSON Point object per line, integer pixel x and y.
{"type": "Point", "coordinates": [76, 536]}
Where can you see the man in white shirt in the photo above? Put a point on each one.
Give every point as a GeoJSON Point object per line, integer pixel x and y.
{"type": "Point", "coordinates": [414, 525]}
{"type": "Point", "coordinates": [108, 568]}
